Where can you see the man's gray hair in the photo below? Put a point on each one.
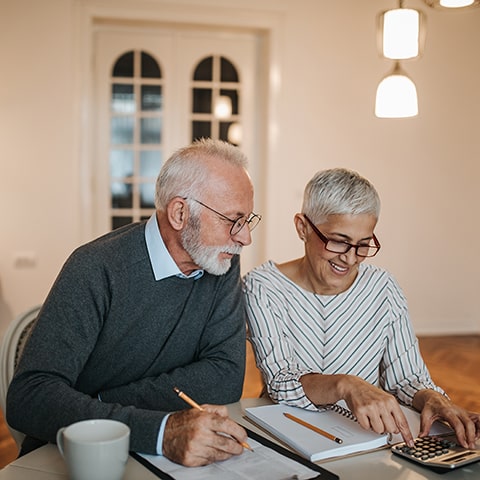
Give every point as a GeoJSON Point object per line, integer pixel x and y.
{"type": "Point", "coordinates": [185, 175]}
{"type": "Point", "coordinates": [339, 191]}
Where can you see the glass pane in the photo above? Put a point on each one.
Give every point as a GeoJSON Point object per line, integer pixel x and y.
{"type": "Point", "coordinates": [228, 73]}
{"type": "Point", "coordinates": [124, 66]}
{"type": "Point", "coordinates": [121, 130]}
{"type": "Point", "coordinates": [121, 163]}
{"type": "Point", "coordinates": [202, 100]}
{"type": "Point", "coordinates": [121, 195]}
{"type": "Point", "coordinates": [201, 129]}
{"type": "Point", "coordinates": [150, 163]}
{"type": "Point", "coordinates": [150, 67]}
{"type": "Point", "coordinates": [147, 195]}
{"type": "Point", "coordinates": [150, 130]}
{"type": "Point", "coordinates": [118, 222]}
{"type": "Point", "coordinates": [204, 70]}
{"type": "Point", "coordinates": [224, 126]}
{"type": "Point", "coordinates": [151, 98]}
{"type": "Point", "coordinates": [123, 98]}
{"type": "Point", "coordinates": [233, 95]}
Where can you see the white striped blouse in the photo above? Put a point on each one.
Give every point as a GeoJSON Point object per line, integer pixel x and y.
{"type": "Point", "coordinates": [364, 331]}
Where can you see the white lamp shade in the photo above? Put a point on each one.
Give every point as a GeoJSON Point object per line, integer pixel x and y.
{"type": "Point", "coordinates": [455, 3]}
{"type": "Point", "coordinates": [401, 33]}
{"type": "Point", "coordinates": [452, 4]}
{"type": "Point", "coordinates": [396, 97]}
{"type": "Point", "coordinates": [223, 107]}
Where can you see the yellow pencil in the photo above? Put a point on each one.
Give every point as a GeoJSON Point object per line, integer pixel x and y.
{"type": "Point", "coordinates": [187, 399]}
{"type": "Point", "coordinates": [194, 404]}
{"type": "Point", "coordinates": [313, 427]}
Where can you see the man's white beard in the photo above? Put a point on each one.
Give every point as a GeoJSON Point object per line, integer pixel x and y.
{"type": "Point", "coordinates": [206, 257]}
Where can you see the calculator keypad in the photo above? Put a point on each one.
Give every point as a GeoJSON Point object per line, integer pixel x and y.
{"type": "Point", "coordinates": [437, 452]}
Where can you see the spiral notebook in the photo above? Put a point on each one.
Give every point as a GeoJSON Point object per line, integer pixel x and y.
{"type": "Point", "coordinates": [335, 420]}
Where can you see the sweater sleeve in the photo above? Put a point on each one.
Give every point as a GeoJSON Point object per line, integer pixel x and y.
{"type": "Point", "coordinates": [42, 396]}
{"type": "Point", "coordinates": [51, 388]}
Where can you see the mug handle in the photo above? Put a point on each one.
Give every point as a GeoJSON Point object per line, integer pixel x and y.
{"type": "Point", "coordinates": [60, 440]}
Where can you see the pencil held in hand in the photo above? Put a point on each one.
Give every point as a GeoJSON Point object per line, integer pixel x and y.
{"type": "Point", "coordinates": [187, 399]}
{"type": "Point", "coordinates": [194, 404]}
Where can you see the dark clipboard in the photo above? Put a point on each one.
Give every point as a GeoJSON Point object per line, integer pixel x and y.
{"type": "Point", "coordinates": [323, 474]}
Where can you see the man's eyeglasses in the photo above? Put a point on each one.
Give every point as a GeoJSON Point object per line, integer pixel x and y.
{"type": "Point", "coordinates": [343, 247]}
{"type": "Point", "coordinates": [252, 219]}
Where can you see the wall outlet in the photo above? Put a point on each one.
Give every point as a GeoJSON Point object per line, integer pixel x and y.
{"type": "Point", "coordinates": [25, 260]}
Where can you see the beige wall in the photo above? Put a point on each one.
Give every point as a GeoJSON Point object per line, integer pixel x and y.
{"type": "Point", "coordinates": [325, 72]}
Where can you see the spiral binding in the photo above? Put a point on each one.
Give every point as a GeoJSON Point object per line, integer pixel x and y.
{"type": "Point", "coordinates": [334, 407]}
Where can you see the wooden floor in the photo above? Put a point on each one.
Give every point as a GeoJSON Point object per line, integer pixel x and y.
{"type": "Point", "coordinates": [453, 361]}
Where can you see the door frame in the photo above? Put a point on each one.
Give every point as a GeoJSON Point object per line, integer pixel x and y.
{"type": "Point", "coordinates": [267, 25]}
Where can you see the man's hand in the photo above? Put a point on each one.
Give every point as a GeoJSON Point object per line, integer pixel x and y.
{"type": "Point", "coordinates": [435, 406]}
{"type": "Point", "coordinates": [194, 438]}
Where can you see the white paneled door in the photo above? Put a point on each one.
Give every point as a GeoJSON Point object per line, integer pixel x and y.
{"type": "Point", "coordinates": [156, 89]}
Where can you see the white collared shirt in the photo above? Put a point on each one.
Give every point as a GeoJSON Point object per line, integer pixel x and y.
{"type": "Point", "coordinates": [163, 265]}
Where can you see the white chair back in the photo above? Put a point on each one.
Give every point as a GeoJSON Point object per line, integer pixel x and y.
{"type": "Point", "coordinates": [11, 349]}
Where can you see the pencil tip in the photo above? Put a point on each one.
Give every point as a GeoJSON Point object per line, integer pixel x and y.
{"type": "Point", "coordinates": [176, 389]}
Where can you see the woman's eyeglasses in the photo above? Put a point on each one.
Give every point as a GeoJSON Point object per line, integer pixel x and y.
{"type": "Point", "coordinates": [335, 246]}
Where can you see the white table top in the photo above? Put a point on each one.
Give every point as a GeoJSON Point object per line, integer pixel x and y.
{"type": "Point", "coordinates": [47, 464]}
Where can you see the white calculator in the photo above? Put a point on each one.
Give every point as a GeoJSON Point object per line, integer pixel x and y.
{"type": "Point", "coordinates": [438, 453]}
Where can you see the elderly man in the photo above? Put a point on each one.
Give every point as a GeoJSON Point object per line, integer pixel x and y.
{"type": "Point", "coordinates": [145, 308]}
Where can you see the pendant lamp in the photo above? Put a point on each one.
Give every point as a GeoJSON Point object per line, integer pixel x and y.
{"type": "Point", "coordinates": [222, 107]}
{"type": "Point", "coordinates": [401, 33]}
{"type": "Point", "coordinates": [396, 95]}
{"type": "Point", "coordinates": [446, 4]}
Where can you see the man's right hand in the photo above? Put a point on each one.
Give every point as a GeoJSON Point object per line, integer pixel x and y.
{"type": "Point", "coordinates": [194, 437]}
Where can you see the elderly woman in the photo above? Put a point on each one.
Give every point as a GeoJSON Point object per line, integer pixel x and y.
{"type": "Point", "coordinates": [326, 326]}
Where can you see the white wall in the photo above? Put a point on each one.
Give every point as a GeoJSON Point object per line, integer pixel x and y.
{"type": "Point", "coordinates": [38, 180]}
{"type": "Point", "coordinates": [326, 70]}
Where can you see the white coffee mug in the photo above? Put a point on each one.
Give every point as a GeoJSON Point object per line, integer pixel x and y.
{"type": "Point", "coordinates": [95, 449]}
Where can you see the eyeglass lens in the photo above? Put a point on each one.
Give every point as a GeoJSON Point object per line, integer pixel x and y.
{"type": "Point", "coordinates": [252, 221]}
{"type": "Point", "coordinates": [360, 250]}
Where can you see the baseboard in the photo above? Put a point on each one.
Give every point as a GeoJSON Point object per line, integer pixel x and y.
{"type": "Point", "coordinates": [446, 331]}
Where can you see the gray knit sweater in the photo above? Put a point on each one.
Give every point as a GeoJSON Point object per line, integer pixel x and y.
{"type": "Point", "coordinates": [108, 330]}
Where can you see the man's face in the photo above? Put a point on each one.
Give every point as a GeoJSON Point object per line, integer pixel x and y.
{"type": "Point", "coordinates": [206, 237]}
{"type": "Point", "coordinates": [213, 259]}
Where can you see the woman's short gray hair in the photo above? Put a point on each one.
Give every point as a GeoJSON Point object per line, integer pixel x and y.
{"type": "Point", "coordinates": [185, 175]}
{"type": "Point", "coordinates": [339, 191]}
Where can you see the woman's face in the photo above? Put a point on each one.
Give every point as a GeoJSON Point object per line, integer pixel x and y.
{"type": "Point", "coordinates": [332, 273]}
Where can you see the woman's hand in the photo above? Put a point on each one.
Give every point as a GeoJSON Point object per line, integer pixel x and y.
{"type": "Point", "coordinates": [435, 406]}
{"type": "Point", "coordinates": [374, 408]}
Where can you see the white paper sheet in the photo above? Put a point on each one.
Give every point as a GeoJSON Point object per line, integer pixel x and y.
{"type": "Point", "coordinates": [262, 464]}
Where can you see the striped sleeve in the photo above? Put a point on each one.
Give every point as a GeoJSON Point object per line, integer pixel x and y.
{"type": "Point", "coordinates": [403, 370]}
{"type": "Point", "coordinates": [273, 352]}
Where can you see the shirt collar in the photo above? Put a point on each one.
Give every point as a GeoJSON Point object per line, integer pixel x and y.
{"type": "Point", "coordinates": [163, 265]}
